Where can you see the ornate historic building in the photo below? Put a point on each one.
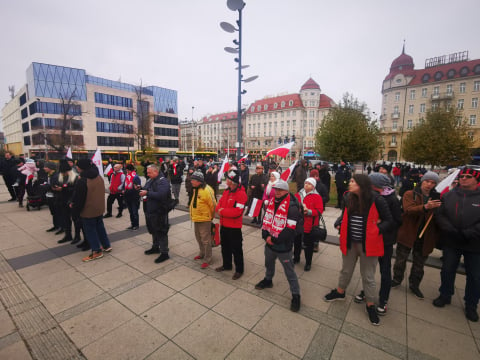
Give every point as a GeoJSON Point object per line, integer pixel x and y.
{"type": "Point", "coordinates": [449, 81]}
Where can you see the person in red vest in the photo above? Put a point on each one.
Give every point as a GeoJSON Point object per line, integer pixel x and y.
{"type": "Point", "coordinates": [117, 183]}
{"type": "Point", "coordinates": [364, 219]}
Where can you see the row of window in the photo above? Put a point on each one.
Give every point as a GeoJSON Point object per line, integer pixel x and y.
{"type": "Point", "coordinates": [165, 131]}
{"type": "Point", "coordinates": [464, 71]}
{"type": "Point", "coordinates": [166, 143]}
{"type": "Point", "coordinates": [51, 123]}
{"type": "Point", "coordinates": [113, 114]}
{"type": "Point", "coordinates": [462, 88]}
{"type": "Point", "coordinates": [113, 100]}
{"type": "Point", "coordinates": [55, 108]}
{"type": "Point", "coordinates": [165, 120]}
{"type": "Point", "coordinates": [275, 106]}
{"type": "Point", "coordinates": [114, 141]}
{"type": "Point", "coordinates": [257, 143]}
{"type": "Point", "coordinates": [471, 121]}
{"type": "Point", "coordinates": [460, 106]}
{"type": "Point", "coordinates": [270, 115]}
{"type": "Point", "coordinates": [114, 128]}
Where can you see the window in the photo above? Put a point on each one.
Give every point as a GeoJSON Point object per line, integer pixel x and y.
{"type": "Point", "coordinates": [470, 135]}
{"type": "Point", "coordinates": [397, 96]}
{"type": "Point", "coordinates": [265, 107]}
{"type": "Point", "coordinates": [25, 127]}
{"type": "Point", "coordinates": [26, 140]}
{"type": "Point", "coordinates": [311, 113]}
{"type": "Point", "coordinates": [409, 124]}
{"type": "Point", "coordinates": [259, 108]}
{"type": "Point", "coordinates": [24, 112]}
{"type": "Point", "coordinates": [117, 141]}
{"type": "Point", "coordinates": [113, 114]}
{"type": "Point", "coordinates": [394, 125]}
{"type": "Point", "coordinates": [281, 124]}
{"type": "Point", "coordinates": [422, 108]}
{"type": "Point", "coordinates": [424, 92]}
{"type": "Point", "coordinates": [410, 109]}
{"type": "Point", "coordinates": [394, 139]}
{"type": "Point", "coordinates": [473, 119]}
{"type": "Point", "coordinates": [290, 103]}
{"type": "Point", "coordinates": [294, 123]}
{"type": "Point", "coordinates": [166, 143]}
{"type": "Point", "coordinates": [313, 103]}
{"type": "Point", "coordinates": [476, 86]}
{"type": "Point", "coordinates": [434, 106]}
{"type": "Point", "coordinates": [449, 89]}
{"type": "Point", "coordinates": [283, 104]}
{"type": "Point", "coordinates": [288, 124]}
{"type": "Point", "coordinates": [113, 100]}
{"type": "Point", "coordinates": [23, 99]}
{"type": "Point", "coordinates": [252, 109]}
{"type": "Point", "coordinates": [460, 104]}
{"type": "Point", "coordinates": [462, 88]}
{"type": "Point", "coordinates": [165, 120]}
{"type": "Point", "coordinates": [412, 94]}
{"type": "Point", "coordinates": [275, 105]}
{"type": "Point", "coordinates": [474, 103]}
{"type": "Point", "coordinates": [395, 110]}
{"type": "Point", "coordinates": [159, 131]}
{"type": "Point", "coordinates": [436, 90]}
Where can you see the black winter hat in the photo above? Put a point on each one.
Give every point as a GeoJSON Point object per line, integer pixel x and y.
{"type": "Point", "coordinates": [234, 176]}
{"type": "Point", "coordinates": [64, 166]}
{"type": "Point", "coordinates": [84, 164]}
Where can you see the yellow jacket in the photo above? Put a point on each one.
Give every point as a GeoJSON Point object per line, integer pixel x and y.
{"type": "Point", "coordinates": [202, 206]}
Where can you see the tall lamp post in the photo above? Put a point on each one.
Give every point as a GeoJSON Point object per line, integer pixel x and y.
{"type": "Point", "coordinates": [237, 5]}
{"type": "Point", "coordinates": [194, 128]}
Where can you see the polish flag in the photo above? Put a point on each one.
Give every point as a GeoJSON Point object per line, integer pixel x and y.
{"type": "Point", "coordinates": [445, 183]}
{"type": "Point", "coordinates": [243, 158]}
{"type": "Point", "coordinates": [97, 160]}
{"type": "Point", "coordinates": [223, 169]}
{"type": "Point", "coordinates": [108, 170]}
{"type": "Point", "coordinates": [281, 151]}
{"type": "Point", "coordinates": [286, 174]}
{"type": "Point", "coordinates": [255, 207]}
{"type": "Point", "coordinates": [69, 153]}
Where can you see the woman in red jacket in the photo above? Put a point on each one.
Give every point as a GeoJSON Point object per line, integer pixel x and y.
{"type": "Point", "coordinates": [312, 210]}
{"type": "Point", "coordinates": [364, 219]}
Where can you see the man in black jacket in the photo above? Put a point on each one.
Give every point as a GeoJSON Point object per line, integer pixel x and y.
{"type": "Point", "coordinates": [9, 173]}
{"type": "Point", "coordinates": [175, 173]}
{"type": "Point", "coordinates": [459, 220]}
{"type": "Point", "coordinates": [155, 193]}
{"type": "Point", "coordinates": [279, 231]}
{"type": "Point", "coordinates": [342, 178]}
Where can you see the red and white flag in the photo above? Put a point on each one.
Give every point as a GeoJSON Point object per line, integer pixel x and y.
{"type": "Point", "coordinates": [445, 183]}
{"type": "Point", "coordinates": [255, 207]}
{"type": "Point", "coordinates": [243, 158]}
{"type": "Point", "coordinates": [287, 173]}
{"type": "Point", "coordinates": [97, 160]}
{"type": "Point", "coordinates": [223, 169]}
{"type": "Point", "coordinates": [69, 153]}
{"type": "Point", "coordinates": [281, 151]}
{"type": "Point", "coordinates": [108, 170]}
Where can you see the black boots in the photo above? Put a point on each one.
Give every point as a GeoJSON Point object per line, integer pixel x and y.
{"type": "Point", "coordinates": [295, 305]}
{"type": "Point", "coordinates": [153, 250]}
{"type": "Point", "coordinates": [162, 258]}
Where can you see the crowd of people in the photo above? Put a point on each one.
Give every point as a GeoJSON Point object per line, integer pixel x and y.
{"type": "Point", "coordinates": [377, 212]}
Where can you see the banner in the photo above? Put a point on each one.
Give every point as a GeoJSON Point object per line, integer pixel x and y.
{"type": "Point", "coordinates": [97, 160]}
{"type": "Point", "coordinates": [223, 169]}
{"type": "Point", "coordinates": [281, 151]}
{"type": "Point", "coordinates": [243, 158]}
{"type": "Point", "coordinates": [287, 173]}
{"type": "Point", "coordinates": [69, 153]}
{"type": "Point", "coordinates": [108, 170]}
{"type": "Point", "coordinates": [255, 207]}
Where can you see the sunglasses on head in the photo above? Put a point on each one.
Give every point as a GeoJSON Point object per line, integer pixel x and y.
{"type": "Point", "coordinates": [465, 176]}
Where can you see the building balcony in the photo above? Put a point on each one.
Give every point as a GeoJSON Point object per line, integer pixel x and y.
{"type": "Point", "coordinates": [442, 96]}
{"type": "Point", "coordinates": [395, 115]}
{"type": "Point", "coordinates": [392, 144]}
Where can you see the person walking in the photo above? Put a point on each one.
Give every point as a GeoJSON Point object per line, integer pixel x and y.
{"type": "Point", "coordinates": [279, 229]}
{"type": "Point", "coordinates": [175, 173]}
{"type": "Point", "coordinates": [364, 220]}
{"type": "Point", "coordinates": [66, 186]}
{"type": "Point", "coordinates": [342, 179]}
{"type": "Point", "coordinates": [257, 185]}
{"type": "Point", "coordinates": [202, 211]}
{"type": "Point", "coordinates": [418, 233]}
{"type": "Point", "coordinates": [230, 208]}
{"type": "Point", "coordinates": [8, 170]}
{"type": "Point", "coordinates": [459, 220]}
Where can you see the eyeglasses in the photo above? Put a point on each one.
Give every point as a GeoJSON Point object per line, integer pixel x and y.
{"type": "Point", "coordinates": [465, 176]}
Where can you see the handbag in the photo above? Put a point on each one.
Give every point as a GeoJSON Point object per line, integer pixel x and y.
{"type": "Point", "coordinates": [319, 232]}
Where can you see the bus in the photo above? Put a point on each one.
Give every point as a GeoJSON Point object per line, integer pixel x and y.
{"type": "Point", "coordinates": [204, 155]}
{"type": "Point", "coordinates": [116, 156]}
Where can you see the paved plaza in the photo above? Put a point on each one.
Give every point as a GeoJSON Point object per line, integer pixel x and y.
{"type": "Point", "coordinates": [124, 306]}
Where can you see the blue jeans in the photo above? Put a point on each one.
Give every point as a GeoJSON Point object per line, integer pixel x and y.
{"type": "Point", "coordinates": [451, 258]}
{"type": "Point", "coordinates": [95, 233]}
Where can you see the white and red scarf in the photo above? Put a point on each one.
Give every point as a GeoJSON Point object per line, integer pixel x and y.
{"type": "Point", "coordinates": [275, 222]}
{"type": "Point", "coordinates": [129, 180]}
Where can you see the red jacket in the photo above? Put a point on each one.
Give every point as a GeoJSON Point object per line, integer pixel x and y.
{"type": "Point", "coordinates": [116, 183]}
{"type": "Point", "coordinates": [314, 202]}
{"type": "Point", "coordinates": [396, 171]}
{"type": "Point", "coordinates": [233, 204]}
{"type": "Point", "coordinates": [373, 238]}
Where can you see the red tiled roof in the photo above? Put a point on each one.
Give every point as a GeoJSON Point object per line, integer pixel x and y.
{"type": "Point", "coordinates": [297, 102]}
{"type": "Point", "coordinates": [310, 84]}
{"type": "Point", "coordinates": [456, 67]}
{"type": "Point", "coordinates": [221, 116]}
{"type": "Point", "coordinates": [326, 101]}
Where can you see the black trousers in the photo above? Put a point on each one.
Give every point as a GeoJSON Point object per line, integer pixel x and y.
{"type": "Point", "coordinates": [231, 240]}
{"type": "Point", "coordinates": [9, 186]}
{"type": "Point", "coordinates": [111, 199]}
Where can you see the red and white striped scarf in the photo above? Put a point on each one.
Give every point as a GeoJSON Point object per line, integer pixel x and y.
{"type": "Point", "coordinates": [275, 222]}
{"type": "Point", "coordinates": [129, 180]}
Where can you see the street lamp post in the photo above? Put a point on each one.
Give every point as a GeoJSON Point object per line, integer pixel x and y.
{"type": "Point", "coordinates": [237, 5]}
{"type": "Point", "coordinates": [193, 135]}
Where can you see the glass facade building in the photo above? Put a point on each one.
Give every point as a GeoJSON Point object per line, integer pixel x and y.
{"type": "Point", "coordinates": [100, 112]}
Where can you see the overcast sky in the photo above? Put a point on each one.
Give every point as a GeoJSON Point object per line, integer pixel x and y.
{"type": "Point", "coordinates": [344, 45]}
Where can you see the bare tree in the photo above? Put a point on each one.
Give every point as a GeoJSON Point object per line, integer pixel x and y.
{"type": "Point", "coordinates": [144, 128]}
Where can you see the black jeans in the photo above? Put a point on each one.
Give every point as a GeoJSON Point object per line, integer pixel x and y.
{"type": "Point", "coordinates": [111, 199]}
{"type": "Point", "coordinates": [385, 263]}
{"type": "Point", "coordinates": [231, 240]}
{"type": "Point", "coordinates": [133, 206]}
{"type": "Point", "coordinates": [304, 241]}
{"type": "Point", "coordinates": [157, 225]}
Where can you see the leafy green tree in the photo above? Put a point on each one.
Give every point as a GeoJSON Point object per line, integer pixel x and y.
{"type": "Point", "coordinates": [441, 139]}
{"type": "Point", "coordinates": [347, 133]}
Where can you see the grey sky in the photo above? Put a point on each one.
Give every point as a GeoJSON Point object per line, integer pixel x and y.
{"type": "Point", "coordinates": [344, 45]}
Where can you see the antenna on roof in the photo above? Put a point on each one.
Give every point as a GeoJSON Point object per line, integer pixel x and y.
{"type": "Point", "coordinates": [11, 88]}
{"type": "Point", "coordinates": [403, 50]}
